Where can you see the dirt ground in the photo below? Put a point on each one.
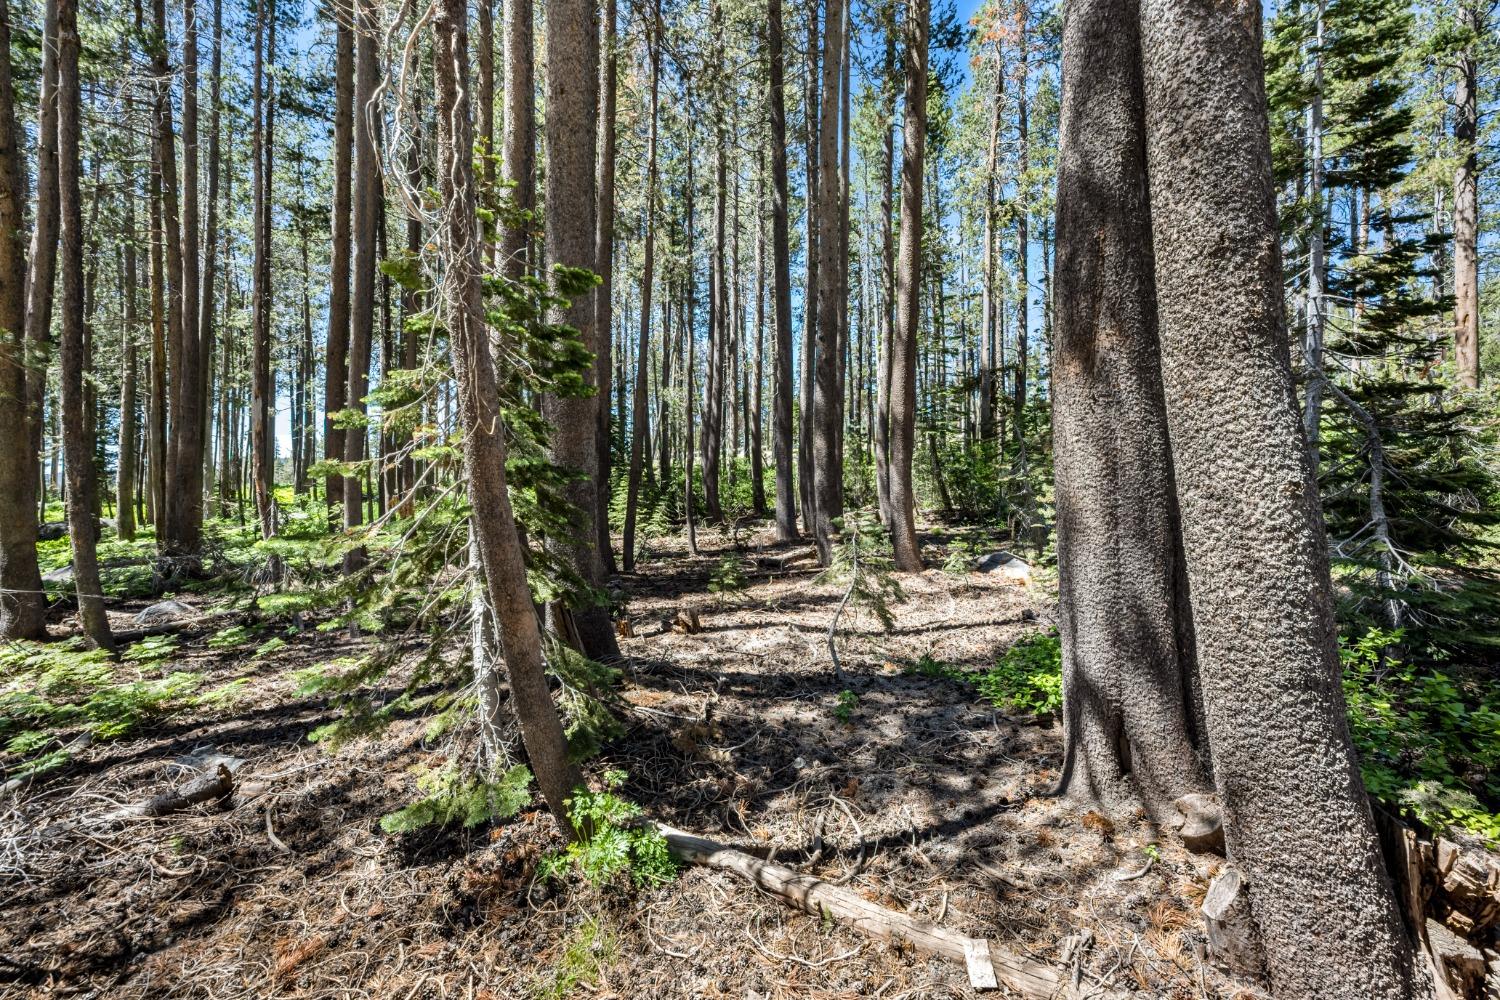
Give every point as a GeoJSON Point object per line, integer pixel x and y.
{"type": "Point", "coordinates": [927, 800]}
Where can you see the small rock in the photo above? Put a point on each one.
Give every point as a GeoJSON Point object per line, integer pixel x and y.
{"type": "Point", "coordinates": [163, 612]}
{"type": "Point", "coordinates": [52, 531]}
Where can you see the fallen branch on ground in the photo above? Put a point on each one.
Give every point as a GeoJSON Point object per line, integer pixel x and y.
{"type": "Point", "coordinates": [989, 965]}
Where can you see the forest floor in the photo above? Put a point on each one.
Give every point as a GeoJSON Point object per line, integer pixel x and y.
{"type": "Point", "coordinates": [928, 800]}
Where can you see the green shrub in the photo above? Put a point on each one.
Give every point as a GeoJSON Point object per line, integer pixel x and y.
{"type": "Point", "coordinates": [451, 796]}
{"type": "Point", "coordinates": [611, 842]}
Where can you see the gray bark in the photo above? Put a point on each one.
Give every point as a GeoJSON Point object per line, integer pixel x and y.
{"type": "Point", "coordinates": [493, 523]}
{"type": "Point", "coordinates": [1129, 728]}
{"type": "Point", "coordinates": [781, 278]}
{"type": "Point", "coordinates": [1298, 822]}
{"type": "Point", "coordinates": [903, 345]}
{"type": "Point", "coordinates": [826, 470]}
{"type": "Point", "coordinates": [336, 373]}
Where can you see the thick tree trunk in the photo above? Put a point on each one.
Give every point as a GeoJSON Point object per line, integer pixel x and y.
{"type": "Point", "coordinates": [493, 523]}
{"type": "Point", "coordinates": [22, 604]}
{"type": "Point", "coordinates": [366, 200]}
{"type": "Point", "coordinates": [336, 371]}
{"type": "Point", "coordinates": [1299, 824]}
{"type": "Point", "coordinates": [827, 473]}
{"type": "Point", "coordinates": [1466, 204]}
{"type": "Point", "coordinates": [1130, 731]}
{"type": "Point", "coordinates": [83, 530]}
{"type": "Point", "coordinates": [604, 256]}
{"type": "Point", "coordinates": [903, 346]}
{"type": "Point", "coordinates": [572, 41]}
{"type": "Point", "coordinates": [781, 280]}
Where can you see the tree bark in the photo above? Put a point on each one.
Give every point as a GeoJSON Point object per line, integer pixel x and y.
{"type": "Point", "coordinates": [1466, 202]}
{"type": "Point", "coordinates": [164, 155]}
{"type": "Point", "coordinates": [82, 499]}
{"type": "Point", "coordinates": [1299, 824]}
{"type": "Point", "coordinates": [903, 346]}
{"type": "Point", "coordinates": [493, 523]}
{"type": "Point", "coordinates": [366, 199]}
{"type": "Point", "coordinates": [604, 257]}
{"type": "Point", "coordinates": [519, 161]}
{"type": "Point", "coordinates": [206, 335]}
{"type": "Point", "coordinates": [781, 280]}
{"type": "Point", "coordinates": [807, 360]}
{"type": "Point", "coordinates": [22, 603]}
{"type": "Point", "coordinates": [336, 372]}
{"type": "Point", "coordinates": [1130, 727]}
{"type": "Point", "coordinates": [262, 385]}
{"type": "Point", "coordinates": [827, 473]}
{"type": "Point", "coordinates": [572, 241]}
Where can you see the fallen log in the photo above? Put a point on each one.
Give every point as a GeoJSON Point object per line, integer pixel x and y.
{"type": "Point", "coordinates": [208, 787]}
{"type": "Point", "coordinates": [989, 965]}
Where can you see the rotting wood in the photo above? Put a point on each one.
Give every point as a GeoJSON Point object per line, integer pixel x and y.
{"type": "Point", "coordinates": [989, 965]}
{"type": "Point", "coordinates": [208, 787]}
{"type": "Point", "coordinates": [1233, 941]}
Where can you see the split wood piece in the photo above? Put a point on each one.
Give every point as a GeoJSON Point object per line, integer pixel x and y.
{"type": "Point", "coordinates": [1202, 826]}
{"type": "Point", "coordinates": [780, 563]}
{"type": "Point", "coordinates": [624, 629]}
{"type": "Point", "coordinates": [1233, 941]}
{"type": "Point", "coordinates": [989, 966]}
{"type": "Point", "coordinates": [687, 622]}
{"type": "Point", "coordinates": [208, 787]}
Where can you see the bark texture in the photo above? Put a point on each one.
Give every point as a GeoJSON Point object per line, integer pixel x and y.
{"type": "Point", "coordinates": [493, 523]}
{"type": "Point", "coordinates": [826, 471]}
{"type": "Point", "coordinates": [335, 389]}
{"type": "Point", "coordinates": [572, 103]}
{"type": "Point", "coordinates": [903, 345]}
{"type": "Point", "coordinates": [1298, 822]}
{"type": "Point", "coordinates": [1129, 726]}
{"type": "Point", "coordinates": [22, 609]}
{"type": "Point", "coordinates": [781, 280]}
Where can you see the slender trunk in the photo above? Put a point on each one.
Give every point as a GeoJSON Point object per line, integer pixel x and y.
{"type": "Point", "coordinates": [493, 523]}
{"type": "Point", "coordinates": [903, 345]}
{"type": "Point", "coordinates": [781, 279]}
{"type": "Point", "coordinates": [83, 528]}
{"type": "Point", "coordinates": [888, 290]}
{"type": "Point", "coordinates": [1466, 203]}
{"type": "Point", "coordinates": [519, 160]}
{"type": "Point", "coordinates": [1317, 263]}
{"type": "Point", "coordinates": [22, 605]}
{"type": "Point", "coordinates": [806, 364]}
{"type": "Point", "coordinates": [572, 41]}
{"type": "Point", "coordinates": [1267, 643]}
{"type": "Point", "coordinates": [827, 473]}
{"type": "Point", "coordinates": [1023, 237]}
{"type": "Point", "coordinates": [262, 385]}
{"type": "Point", "coordinates": [129, 365]}
{"type": "Point", "coordinates": [690, 371]}
{"type": "Point", "coordinates": [988, 264]}
{"type": "Point", "coordinates": [336, 371]}
{"type": "Point", "coordinates": [366, 197]}
{"type": "Point", "coordinates": [164, 153]}
{"type": "Point", "coordinates": [206, 336]}
{"type": "Point", "coordinates": [604, 256]}
{"type": "Point", "coordinates": [757, 456]}
{"type": "Point", "coordinates": [638, 429]}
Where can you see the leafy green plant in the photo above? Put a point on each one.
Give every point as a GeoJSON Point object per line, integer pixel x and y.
{"type": "Point", "coordinates": [451, 796]}
{"type": "Point", "coordinates": [844, 707]}
{"type": "Point", "coordinates": [611, 842]}
{"type": "Point", "coordinates": [1027, 677]}
{"type": "Point", "coordinates": [592, 946]}
{"type": "Point", "coordinates": [729, 576]}
{"type": "Point", "coordinates": [1428, 740]}
{"type": "Point", "coordinates": [152, 649]}
{"type": "Point", "coordinates": [230, 638]}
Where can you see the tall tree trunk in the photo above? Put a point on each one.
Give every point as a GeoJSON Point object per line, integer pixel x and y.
{"type": "Point", "coordinates": [903, 346]}
{"type": "Point", "coordinates": [185, 449]}
{"type": "Point", "coordinates": [518, 168]}
{"type": "Point", "coordinates": [1466, 201]}
{"type": "Point", "coordinates": [1317, 261]}
{"type": "Point", "coordinates": [1131, 726]}
{"type": "Point", "coordinates": [807, 360]}
{"type": "Point", "coordinates": [83, 529]}
{"type": "Point", "coordinates": [572, 233]}
{"type": "Point", "coordinates": [827, 473]}
{"type": "Point", "coordinates": [336, 370]}
{"type": "Point", "coordinates": [206, 335]}
{"type": "Point", "coordinates": [757, 456]}
{"type": "Point", "coordinates": [1299, 823]}
{"type": "Point", "coordinates": [638, 428]}
{"type": "Point", "coordinates": [604, 256]}
{"type": "Point", "coordinates": [22, 604]}
{"type": "Point", "coordinates": [781, 279]}
{"type": "Point", "coordinates": [718, 324]}
{"type": "Point", "coordinates": [690, 371]}
{"type": "Point", "coordinates": [262, 385]}
{"type": "Point", "coordinates": [164, 154]}
{"type": "Point", "coordinates": [888, 282]}
{"type": "Point", "coordinates": [1023, 220]}
{"type": "Point", "coordinates": [129, 366]}
{"type": "Point", "coordinates": [989, 277]}
{"type": "Point", "coordinates": [493, 523]}
{"type": "Point", "coordinates": [363, 231]}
